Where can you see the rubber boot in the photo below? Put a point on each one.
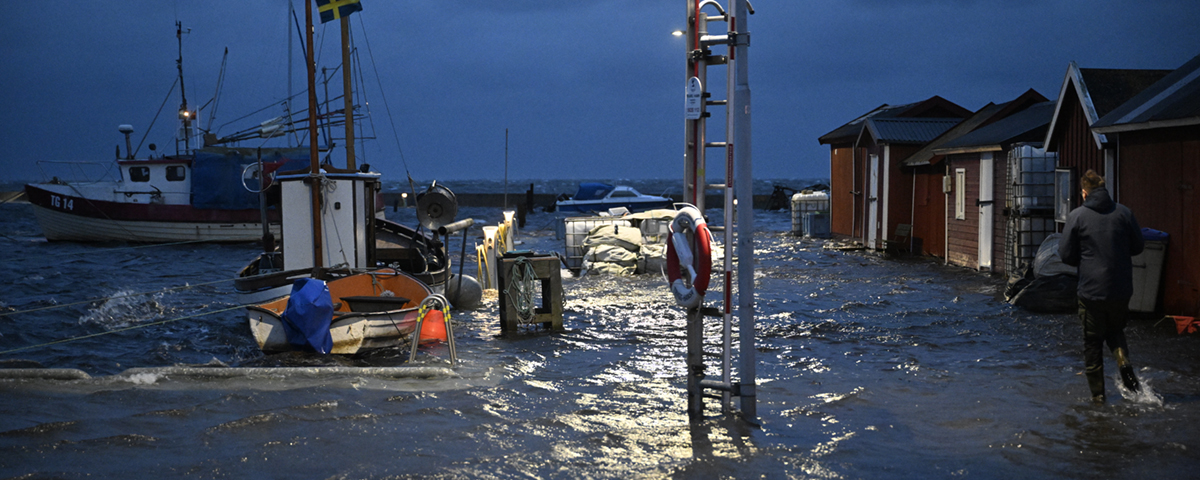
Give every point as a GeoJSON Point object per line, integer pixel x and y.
{"type": "Point", "coordinates": [1096, 384]}
{"type": "Point", "coordinates": [1127, 376]}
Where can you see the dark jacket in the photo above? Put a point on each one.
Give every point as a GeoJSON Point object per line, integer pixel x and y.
{"type": "Point", "coordinates": [1100, 238]}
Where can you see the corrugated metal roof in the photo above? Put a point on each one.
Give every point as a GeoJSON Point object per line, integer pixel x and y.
{"type": "Point", "coordinates": [908, 130]}
{"type": "Point", "coordinates": [925, 155]}
{"type": "Point", "coordinates": [989, 115]}
{"type": "Point", "coordinates": [852, 128]}
{"type": "Point", "coordinates": [1172, 101]}
{"type": "Point", "coordinates": [932, 107]}
{"type": "Point", "coordinates": [1027, 125]}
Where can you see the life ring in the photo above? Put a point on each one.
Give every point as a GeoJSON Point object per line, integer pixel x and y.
{"type": "Point", "coordinates": [689, 263]}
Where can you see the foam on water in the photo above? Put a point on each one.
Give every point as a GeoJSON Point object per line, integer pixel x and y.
{"type": "Point", "coordinates": [124, 308]}
{"type": "Point", "coordinates": [1145, 396]}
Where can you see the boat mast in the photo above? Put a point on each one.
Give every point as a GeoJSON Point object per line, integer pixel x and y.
{"type": "Point", "coordinates": [287, 102]}
{"type": "Point", "coordinates": [184, 114]}
{"type": "Point", "coordinates": [314, 181]}
{"type": "Point", "coordinates": [347, 96]}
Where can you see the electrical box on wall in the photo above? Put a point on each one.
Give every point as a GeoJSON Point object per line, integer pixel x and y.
{"type": "Point", "coordinates": [946, 184]}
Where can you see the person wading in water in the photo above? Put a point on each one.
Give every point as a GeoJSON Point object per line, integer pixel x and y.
{"type": "Point", "coordinates": [1100, 238]}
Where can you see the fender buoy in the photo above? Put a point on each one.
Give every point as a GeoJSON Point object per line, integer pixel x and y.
{"type": "Point", "coordinates": [689, 263]}
{"type": "Point", "coordinates": [434, 327]}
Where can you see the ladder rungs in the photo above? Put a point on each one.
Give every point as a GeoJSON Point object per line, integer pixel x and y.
{"type": "Point", "coordinates": [716, 144]}
{"type": "Point", "coordinates": [716, 186]}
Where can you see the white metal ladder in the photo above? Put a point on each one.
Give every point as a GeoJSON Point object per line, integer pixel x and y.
{"type": "Point", "coordinates": [736, 146]}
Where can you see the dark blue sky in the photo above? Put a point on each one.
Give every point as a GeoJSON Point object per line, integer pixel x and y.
{"type": "Point", "coordinates": [587, 89]}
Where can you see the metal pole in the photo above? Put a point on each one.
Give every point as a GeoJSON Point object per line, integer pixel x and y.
{"type": "Point", "coordinates": [699, 174]}
{"type": "Point", "coordinates": [693, 148]}
{"type": "Point", "coordinates": [287, 102]}
{"type": "Point", "coordinates": [267, 240]}
{"type": "Point", "coordinates": [691, 144]}
{"type": "Point", "coordinates": [695, 363]}
{"type": "Point", "coordinates": [739, 110]}
{"type": "Point", "coordinates": [506, 169]}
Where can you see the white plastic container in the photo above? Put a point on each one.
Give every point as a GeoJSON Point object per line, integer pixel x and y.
{"type": "Point", "coordinates": [807, 202]}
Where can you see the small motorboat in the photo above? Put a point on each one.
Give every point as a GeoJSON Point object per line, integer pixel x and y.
{"type": "Point", "coordinates": [375, 309]}
{"type": "Point", "coordinates": [601, 197]}
{"type": "Point", "coordinates": [396, 246]}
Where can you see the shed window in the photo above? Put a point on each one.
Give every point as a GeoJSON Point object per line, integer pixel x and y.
{"type": "Point", "coordinates": [960, 194]}
{"type": "Point", "coordinates": [139, 174]}
{"type": "Point", "coordinates": [1062, 193]}
{"type": "Point", "coordinates": [176, 173]}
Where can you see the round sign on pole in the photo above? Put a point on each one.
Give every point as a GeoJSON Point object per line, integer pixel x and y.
{"type": "Point", "coordinates": [692, 104]}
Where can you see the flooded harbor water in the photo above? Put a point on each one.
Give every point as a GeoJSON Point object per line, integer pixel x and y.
{"type": "Point", "coordinates": [867, 368]}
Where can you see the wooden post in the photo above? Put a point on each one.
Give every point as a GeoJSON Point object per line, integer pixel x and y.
{"type": "Point", "coordinates": [347, 93]}
{"type": "Point", "coordinates": [314, 183]}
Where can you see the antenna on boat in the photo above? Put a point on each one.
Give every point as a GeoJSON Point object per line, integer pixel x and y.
{"type": "Point", "coordinates": [126, 129]}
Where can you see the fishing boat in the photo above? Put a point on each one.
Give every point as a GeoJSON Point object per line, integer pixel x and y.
{"type": "Point", "coordinates": [601, 197]}
{"type": "Point", "coordinates": [329, 223]}
{"type": "Point", "coordinates": [375, 309]}
{"type": "Point", "coordinates": [203, 192]}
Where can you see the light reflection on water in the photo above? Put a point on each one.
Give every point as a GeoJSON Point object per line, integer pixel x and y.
{"type": "Point", "coordinates": [867, 368]}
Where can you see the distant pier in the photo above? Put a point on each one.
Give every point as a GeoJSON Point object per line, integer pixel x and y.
{"type": "Point", "coordinates": [540, 200]}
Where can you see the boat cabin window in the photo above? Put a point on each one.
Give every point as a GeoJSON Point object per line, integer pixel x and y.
{"type": "Point", "coordinates": [623, 193]}
{"type": "Point", "coordinates": [139, 174]}
{"type": "Point", "coordinates": [176, 173]}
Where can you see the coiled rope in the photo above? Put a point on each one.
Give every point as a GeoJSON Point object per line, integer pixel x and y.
{"type": "Point", "coordinates": [520, 291]}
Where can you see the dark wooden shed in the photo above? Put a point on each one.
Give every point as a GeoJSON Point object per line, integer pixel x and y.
{"type": "Point", "coordinates": [1155, 137]}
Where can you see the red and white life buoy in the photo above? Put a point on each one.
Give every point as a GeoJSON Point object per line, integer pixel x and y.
{"type": "Point", "coordinates": [689, 261]}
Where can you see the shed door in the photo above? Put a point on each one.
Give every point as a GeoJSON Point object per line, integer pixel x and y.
{"type": "Point", "coordinates": [986, 210]}
{"type": "Point", "coordinates": [873, 204]}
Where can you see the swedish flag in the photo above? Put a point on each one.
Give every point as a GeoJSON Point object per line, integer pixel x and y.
{"type": "Point", "coordinates": [336, 9]}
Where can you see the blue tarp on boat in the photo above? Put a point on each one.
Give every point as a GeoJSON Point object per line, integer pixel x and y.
{"type": "Point", "coordinates": [308, 315]}
{"type": "Point", "coordinates": [217, 175]}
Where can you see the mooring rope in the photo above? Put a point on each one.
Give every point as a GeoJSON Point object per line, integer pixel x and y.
{"type": "Point", "coordinates": [114, 297]}
{"type": "Point", "coordinates": [134, 327]}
